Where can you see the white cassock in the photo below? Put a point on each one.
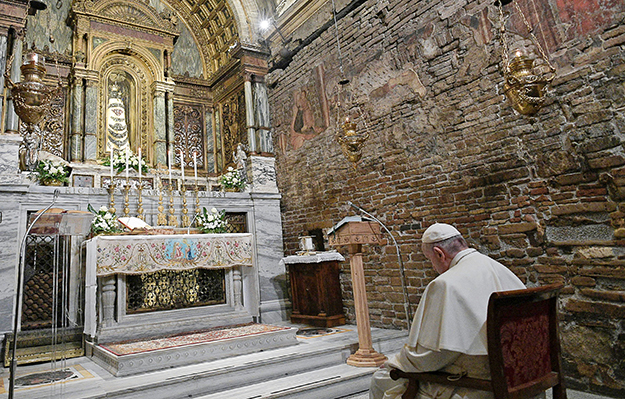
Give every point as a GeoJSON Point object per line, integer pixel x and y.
{"type": "Point", "coordinates": [448, 331]}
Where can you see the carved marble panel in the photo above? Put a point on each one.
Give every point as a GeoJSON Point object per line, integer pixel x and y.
{"type": "Point", "coordinates": [189, 137]}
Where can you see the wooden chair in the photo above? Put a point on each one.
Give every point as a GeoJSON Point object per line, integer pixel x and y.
{"type": "Point", "coordinates": [523, 348]}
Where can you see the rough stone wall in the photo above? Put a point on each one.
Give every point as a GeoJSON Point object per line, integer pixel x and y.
{"type": "Point", "coordinates": [545, 195]}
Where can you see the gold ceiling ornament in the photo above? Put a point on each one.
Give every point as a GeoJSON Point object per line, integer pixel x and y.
{"type": "Point", "coordinates": [352, 130]}
{"type": "Point", "coordinates": [526, 80]}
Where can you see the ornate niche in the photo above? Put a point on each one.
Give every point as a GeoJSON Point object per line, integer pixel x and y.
{"type": "Point", "coordinates": [125, 105]}
{"type": "Point", "coordinates": [123, 50]}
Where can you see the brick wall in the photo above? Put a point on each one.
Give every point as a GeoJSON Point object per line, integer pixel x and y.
{"type": "Point", "coordinates": [545, 195]}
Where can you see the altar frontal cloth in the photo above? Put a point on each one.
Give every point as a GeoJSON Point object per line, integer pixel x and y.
{"type": "Point", "coordinates": [150, 253]}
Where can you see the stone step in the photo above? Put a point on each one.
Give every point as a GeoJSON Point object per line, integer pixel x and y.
{"type": "Point", "coordinates": [340, 381]}
{"type": "Point", "coordinates": [316, 364]}
{"type": "Point", "coordinates": [314, 368]}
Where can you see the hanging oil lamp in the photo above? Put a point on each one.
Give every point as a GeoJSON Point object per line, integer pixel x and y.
{"type": "Point", "coordinates": [351, 134]}
{"type": "Point", "coordinates": [31, 100]}
{"type": "Point", "coordinates": [525, 84]}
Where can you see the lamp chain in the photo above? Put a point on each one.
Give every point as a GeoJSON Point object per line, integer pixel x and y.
{"type": "Point", "coordinates": [338, 41]}
{"type": "Point", "coordinates": [502, 38]}
{"type": "Point", "coordinates": [530, 31]}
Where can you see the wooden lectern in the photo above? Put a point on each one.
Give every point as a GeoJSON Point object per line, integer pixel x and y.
{"type": "Point", "coordinates": [354, 232]}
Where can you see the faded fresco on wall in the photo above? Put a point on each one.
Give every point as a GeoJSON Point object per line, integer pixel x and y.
{"type": "Point", "coordinates": [309, 114]}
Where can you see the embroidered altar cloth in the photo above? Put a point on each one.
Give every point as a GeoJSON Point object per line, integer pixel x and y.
{"type": "Point", "coordinates": [137, 254]}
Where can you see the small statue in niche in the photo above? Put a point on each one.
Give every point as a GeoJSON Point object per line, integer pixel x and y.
{"type": "Point", "coordinates": [240, 159]}
{"type": "Point", "coordinates": [117, 123]}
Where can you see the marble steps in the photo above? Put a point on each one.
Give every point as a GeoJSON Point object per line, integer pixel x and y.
{"type": "Point", "coordinates": [314, 368]}
{"type": "Point", "coordinates": [340, 381]}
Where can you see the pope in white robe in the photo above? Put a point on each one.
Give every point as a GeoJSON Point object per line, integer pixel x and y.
{"type": "Point", "coordinates": [448, 332]}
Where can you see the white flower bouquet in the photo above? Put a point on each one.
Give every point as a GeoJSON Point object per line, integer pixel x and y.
{"type": "Point", "coordinates": [119, 161]}
{"type": "Point", "coordinates": [213, 221]}
{"type": "Point", "coordinates": [104, 221]}
{"type": "Point", "coordinates": [50, 171]}
{"type": "Point", "coordinates": [232, 179]}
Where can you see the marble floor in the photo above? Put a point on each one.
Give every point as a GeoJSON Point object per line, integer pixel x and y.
{"type": "Point", "coordinates": [313, 369]}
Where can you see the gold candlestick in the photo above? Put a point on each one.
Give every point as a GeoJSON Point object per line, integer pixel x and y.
{"type": "Point", "coordinates": [197, 205]}
{"type": "Point", "coordinates": [127, 199]}
{"type": "Point", "coordinates": [161, 219]}
{"type": "Point", "coordinates": [173, 220]}
{"type": "Point", "coordinates": [140, 200]}
{"type": "Point", "coordinates": [111, 190]}
{"type": "Point", "coordinates": [185, 211]}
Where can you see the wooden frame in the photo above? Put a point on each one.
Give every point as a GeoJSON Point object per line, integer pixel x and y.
{"type": "Point", "coordinates": [502, 307]}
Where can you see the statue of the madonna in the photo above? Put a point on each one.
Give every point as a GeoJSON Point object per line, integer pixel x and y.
{"type": "Point", "coordinates": [116, 120]}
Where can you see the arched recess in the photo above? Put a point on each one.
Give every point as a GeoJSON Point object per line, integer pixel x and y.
{"type": "Point", "coordinates": [129, 72]}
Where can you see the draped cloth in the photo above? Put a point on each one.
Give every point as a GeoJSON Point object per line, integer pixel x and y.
{"type": "Point", "coordinates": [137, 254]}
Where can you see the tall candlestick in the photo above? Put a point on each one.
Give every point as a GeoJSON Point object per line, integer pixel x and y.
{"type": "Point", "coordinates": [126, 150]}
{"type": "Point", "coordinates": [169, 162]}
{"type": "Point", "coordinates": [195, 166]}
{"type": "Point", "coordinates": [111, 165]}
{"type": "Point", "coordinates": [182, 165]}
{"type": "Point", "coordinates": [139, 164]}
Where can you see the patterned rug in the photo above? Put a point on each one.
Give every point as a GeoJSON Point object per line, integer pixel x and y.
{"type": "Point", "coordinates": [130, 347]}
{"type": "Point", "coordinates": [49, 378]}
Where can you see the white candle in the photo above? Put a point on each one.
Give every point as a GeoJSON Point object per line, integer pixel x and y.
{"type": "Point", "coordinates": [169, 162]}
{"type": "Point", "coordinates": [139, 164]}
{"type": "Point", "coordinates": [111, 165]}
{"type": "Point", "coordinates": [195, 166]}
{"type": "Point", "coordinates": [126, 165]}
{"type": "Point", "coordinates": [182, 165]}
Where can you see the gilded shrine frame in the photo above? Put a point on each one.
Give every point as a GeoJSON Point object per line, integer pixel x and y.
{"type": "Point", "coordinates": [140, 115]}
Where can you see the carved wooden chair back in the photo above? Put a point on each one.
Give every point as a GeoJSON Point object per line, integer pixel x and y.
{"type": "Point", "coordinates": [523, 347]}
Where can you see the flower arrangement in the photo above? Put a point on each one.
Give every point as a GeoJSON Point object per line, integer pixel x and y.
{"type": "Point", "coordinates": [119, 161]}
{"type": "Point", "coordinates": [50, 171]}
{"type": "Point", "coordinates": [213, 221]}
{"type": "Point", "coordinates": [232, 179]}
{"type": "Point", "coordinates": [104, 221]}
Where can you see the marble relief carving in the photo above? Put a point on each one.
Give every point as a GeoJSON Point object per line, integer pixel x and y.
{"type": "Point", "coordinates": [188, 133]}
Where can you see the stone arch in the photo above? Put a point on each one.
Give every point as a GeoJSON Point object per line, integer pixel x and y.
{"type": "Point", "coordinates": [104, 51]}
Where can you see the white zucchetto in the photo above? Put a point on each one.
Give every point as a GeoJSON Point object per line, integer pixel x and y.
{"type": "Point", "coordinates": [439, 232]}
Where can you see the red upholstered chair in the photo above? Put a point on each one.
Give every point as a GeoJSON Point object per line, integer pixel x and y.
{"type": "Point", "coordinates": [523, 348]}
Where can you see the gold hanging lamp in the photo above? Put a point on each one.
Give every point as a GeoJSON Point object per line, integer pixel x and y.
{"type": "Point", "coordinates": [526, 80]}
{"type": "Point", "coordinates": [352, 130]}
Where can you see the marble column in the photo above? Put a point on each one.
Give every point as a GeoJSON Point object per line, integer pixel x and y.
{"type": "Point", "coordinates": [12, 121]}
{"type": "Point", "coordinates": [160, 128]}
{"type": "Point", "coordinates": [263, 122]}
{"type": "Point", "coordinates": [3, 63]}
{"type": "Point", "coordinates": [76, 124]}
{"type": "Point", "coordinates": [91, 120]}
{"type": "Point", "coordinates": [249, 113]}
{"type": "Point", "coordinates": [171, 136]}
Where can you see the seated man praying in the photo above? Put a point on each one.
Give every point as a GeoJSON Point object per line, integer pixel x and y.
{"type": "Point", "coordinates": [448, 332]}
